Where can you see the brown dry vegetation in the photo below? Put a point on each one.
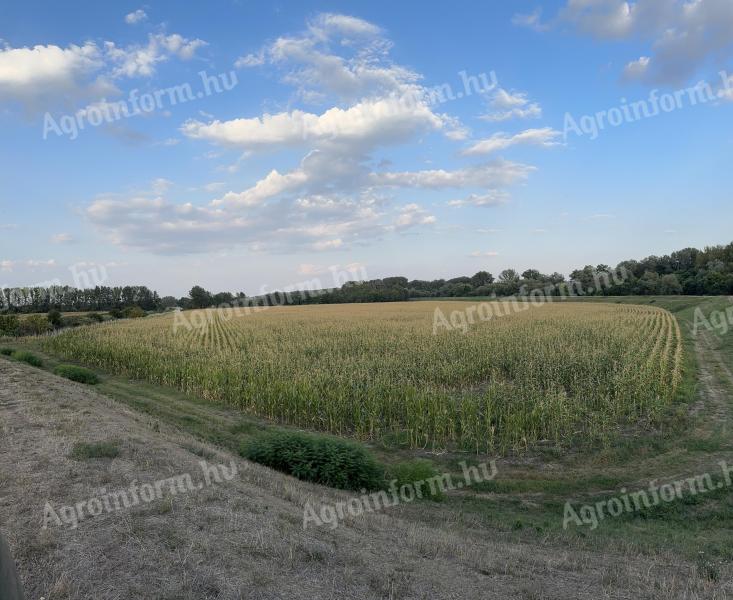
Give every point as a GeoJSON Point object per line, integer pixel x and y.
{"type": "Point", "coordinates": [244, 538]}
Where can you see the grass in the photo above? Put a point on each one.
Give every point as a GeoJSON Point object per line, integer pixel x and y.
{"type": "Point", "coordinates": [6, 351]}
{"type": "Point", "coordinates": [84, 450]}
{"type": "Point", "coordinates": [27, 357]}
{"type": "Point", "coordinates": [75, 373]}
{"type": "Point", "coordinates": [526, 499]}
{"type": "Point", "coordinates": [320, 459]}
{"type": "Point", "coordinates": [409, 472]}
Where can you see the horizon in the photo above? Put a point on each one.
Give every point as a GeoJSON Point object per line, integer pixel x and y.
{"type": "Point", "coordinates": [325, 136]}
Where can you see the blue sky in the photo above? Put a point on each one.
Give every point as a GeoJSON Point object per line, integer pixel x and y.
{"type": "Point", "coordinates": [334, 144]}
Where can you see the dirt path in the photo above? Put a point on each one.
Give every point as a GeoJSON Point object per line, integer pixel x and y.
{"type": "Point", "coordinates": [243, 537]}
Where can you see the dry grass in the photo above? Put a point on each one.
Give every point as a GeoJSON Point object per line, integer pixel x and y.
{"type": "Point", "coordinates": [244, 538]}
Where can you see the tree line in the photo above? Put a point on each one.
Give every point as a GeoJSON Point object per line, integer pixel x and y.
{"type": "Point", "coordinates": [689, 271]}
{"type": "Point", "coordinates": [70, 299]}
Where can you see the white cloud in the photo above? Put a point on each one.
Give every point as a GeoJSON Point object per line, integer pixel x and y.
{"type": "Point", "coordinates": [367, 123]}
{"type": "Point", "coordinates": [411, 215]}
{"type": "Point", "coordinates": [492, 198]}
{"type": "Point", "coordinates": [136, 17]}
{"type": "Point", "coordinates": [40, 74]}
{"type": "Point", "coordinates": [10, 265]}
{"type": "Point", "coordinates": [683, 35]}
{"type": "Point", "coordinates": [636, 69]}
{"type": "Point", "coordinates": [141, 60]}
{"type": "Point", "coordinates": [61, 238]}
{"type": "Point", "coordinates": [511, 105]}
{"type": "Point", "coordinates": [362, 70]}
{"type": "Point", "coordinates": [544, 137]}
{"type": "Point", "coordinates": [532, 20]}
{"type": "Point", "coordinates": [161, 185]}
{"type": "Point", "coordinates": [49, 76]}
{"type": "Point", "coordinates": [250, 60]}
{"type": "Point", "coordinates": [479, 254]}
{"type": "Point", "coordinates": [335, 197]}
{"type": "Point", "coordinates": [489, 175]}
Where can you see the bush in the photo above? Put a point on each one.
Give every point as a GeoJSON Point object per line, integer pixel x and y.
{"type": "Point", "coordinates": [96, 317]}
{"type": "Point", "coordinates": [407, 473]}
{"type": "Point", "coordinates": [116, 313]}
{"type": "Point", "coordinates": [325, 460]}
{"type": "Point", "coordinates": [133, 312]}
{"type": "Point", "coordinates": [34, 325]}
{"type": "Point", "coordinates": [54, 317]}
{"type": "Point", "coordinates": [9, 325]}
{"type": "Point", "coordinates": [84, 450]}
{"type": "Point", "coordinates": [27, 357]}
{"type": "Point", "coordinates": [75, 373]}
{"type": "Point", "coordinates": [6, 351]}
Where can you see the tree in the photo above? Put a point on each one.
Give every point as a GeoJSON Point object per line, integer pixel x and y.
{"type": "Point", "coordinates": [168, 302]}
{"type": "Point", "coordinates": [55, 318]}
{"type": "Point", "coordinates": [482, 278]}
{"type": "Point", "coordinates": [508, 276]}
{"type": "Point", "coordinates": [222, 298]}
{"type": "Point", "coordinates": [669, 285]}
{"type": "Point", "coordinates": [200, 298]}
{"type": "Point", "coordinates": [532, 274]}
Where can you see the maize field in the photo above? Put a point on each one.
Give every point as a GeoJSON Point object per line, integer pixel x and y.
{"type": "Point", "coordinates": [527, 374]}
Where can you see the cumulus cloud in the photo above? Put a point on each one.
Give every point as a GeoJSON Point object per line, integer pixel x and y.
{"type": "Point", "coordinates": [365, 124]}
{"type": "Point", "coordinates": [544, 137]}
{"type": "Point", "coordinates": [141, 60]}
{"type": "Point", "coordinates": [47, 76]}
{"type": "Point", "coordinates": [137, 16]}
{"type": "Point", "coordinates": [334, 197]}
{"type": "Point", "coordinates": [361, 68]}
{"type": "Point", "coordinates": [683, 35]}
{"type": "Point", "coordinates": [36, 75]}
{"type": "Point", "coordinates": [511, 105]}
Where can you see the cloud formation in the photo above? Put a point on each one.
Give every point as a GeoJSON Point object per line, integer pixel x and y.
{"type": "Point", "coordinates": [684, 36]}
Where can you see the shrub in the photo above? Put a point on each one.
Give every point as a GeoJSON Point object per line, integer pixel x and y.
{"type": "Point", "coordinates": [325, 460]}
{"type": "Point", "coordinates": [84, 450]}
{"type": "Point", "coordinates": [34, 325]}
{"type": "Point", "coordinates": [116, 313]}
{"type": "Point", "coordinates": [75, 373]}
{"type": "Point", "coordinates": [6, 351]}
{"type": "Point", "coordinates": [27, 357]}
{"type": "Point", "coordinates": [54, 317]}
{"type": "Point", "coordinates": [9, 325]}
{"type": "Point", "coordinates": [133, 312]}
{"type": "Point", "coordinates": [96, 317]}
{"type": "Point", "coordinates": [407, 473]}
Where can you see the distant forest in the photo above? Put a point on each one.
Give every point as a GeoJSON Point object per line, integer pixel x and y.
{"type": "Point", "coordinates": [689, 271]}
{"type": "Point", "coordinates": [68, 299]}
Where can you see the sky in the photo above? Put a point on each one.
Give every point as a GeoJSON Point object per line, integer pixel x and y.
{"type": "Point", "coordinates": [250, 146]}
